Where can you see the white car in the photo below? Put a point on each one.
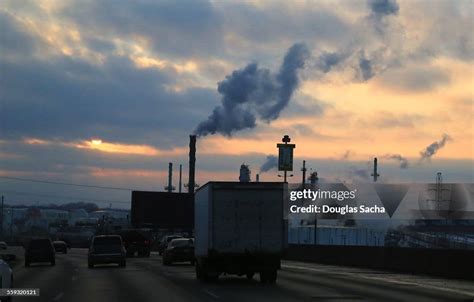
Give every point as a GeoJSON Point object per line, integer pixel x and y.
{"type": "Point", "coordinates": [6, 278]}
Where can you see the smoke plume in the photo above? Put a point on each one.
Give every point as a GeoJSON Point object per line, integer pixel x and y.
{"type": "Point", "coordinates": [381, 8]}
{"type": "Point", "coordinates": [254, 93]}
{"type": "Point", "coordinates": [434, 147]}
{"type": "Point", "coordinates": [402, 160]}
{"type": "Point", "coordinates": [270, 163]}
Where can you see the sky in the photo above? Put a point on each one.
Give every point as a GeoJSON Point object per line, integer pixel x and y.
{"type": "Point", "coordinates": [106, 93]}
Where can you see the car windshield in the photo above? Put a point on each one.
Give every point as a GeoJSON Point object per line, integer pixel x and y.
{"type": "Point", "coordinates": [182, 243]}
{"type": "Point", "coordinates": [40, 244]}
{"type": "Point", "coordinates": [168, 239]}
{"type": "Point", "coordinates": [104, 245]}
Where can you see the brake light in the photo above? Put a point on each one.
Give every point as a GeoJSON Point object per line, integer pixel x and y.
{"type": "Point", "coordinates": [147, 242]}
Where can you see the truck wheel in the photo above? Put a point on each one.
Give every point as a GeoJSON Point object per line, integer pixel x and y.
{"type": "Point", "coordinates": [90, 264]}
{"type": "Point", "coordinates": [53, 262]}
{"type": "Point", "coordinates": [263, 277]}
{"type": "Point", "coordinates": [272, 276]}
{"type": "Point", "coordinates": [199, 274]}
{"type": "Point", "coordinates": [250, 275]}
{"type": "Point", "coordinates": [27, 263]}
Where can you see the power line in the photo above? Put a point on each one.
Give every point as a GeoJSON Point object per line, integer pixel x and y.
{"type": "Point", "coordinates": [65, 183]}
{"type": "Point", "coordinates": [65, 197]}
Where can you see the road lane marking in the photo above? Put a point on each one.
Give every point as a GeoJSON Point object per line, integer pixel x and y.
{"type": "Point", "coordinates": [427, 286]}
{"type": "Point", "coordinates": [211, 294]}
{"type": "Point", "coordinates": [58, 297]}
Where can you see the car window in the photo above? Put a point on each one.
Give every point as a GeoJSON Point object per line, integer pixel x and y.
{"type": "Point", "coordinates": [182, 243]}
{"type": "Point", "coordinates": [112, 240]}
{"type": "Point", "coordinates": [105, 245]}
{"type": "Point", "coordinates": [40, 244]}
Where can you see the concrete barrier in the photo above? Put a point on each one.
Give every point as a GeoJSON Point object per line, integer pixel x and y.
{"type": "Point", "coordinates": [441, 262]}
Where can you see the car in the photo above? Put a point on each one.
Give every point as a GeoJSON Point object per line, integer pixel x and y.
{"type": "Point", "coordinates": [135, 241]}
{"type": "Point", "coordinates": [60, 246]}
{"type": "Point", "coordinates": [6, 278]}
{"type": "Point", "coordinates": [164, 242]}
{"type": "Point", "coordinates": [3, 245]}
{"type": "Point", "coordinates": [105, 249]}
{"type": "Point", "coordinates": [179, 250]}
{"type": "Point", "coordinates": [40, 250]}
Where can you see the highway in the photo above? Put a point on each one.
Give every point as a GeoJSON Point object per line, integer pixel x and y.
{"type": "Point", "coordinates": [146, 279]}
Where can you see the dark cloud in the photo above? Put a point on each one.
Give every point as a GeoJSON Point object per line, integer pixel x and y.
{"type": "Point", "coordinates": [14, 40]}
{"type": "Point", "coordinates": [270, 163]}
{"type": "Point", "coordinates": [71, 99]}
{"type": "Point", "coordinates": [184, 28]}
{"type": "Point", "coordinates": [254, 92]}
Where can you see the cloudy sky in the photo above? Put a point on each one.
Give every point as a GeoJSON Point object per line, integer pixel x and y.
{"type": "Point", "coordinates": [107, 92]}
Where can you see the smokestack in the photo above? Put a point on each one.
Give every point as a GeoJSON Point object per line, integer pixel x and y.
{"type": "Point", "coordinates": [375, 174]}
{"type": "Point", "coordinates": [304, 173]}
{"type": "Point", "coordinates": [170, 177]}
{"type": "Point", "coordinates": [257, 177]}
{"type": "Point", "coordinates": [192, 163]}
{"type": "Point", "coordinates": [180, 177]}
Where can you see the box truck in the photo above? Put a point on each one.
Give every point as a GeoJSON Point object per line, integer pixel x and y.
{"type": "Point", "coordinates": [239, 229]}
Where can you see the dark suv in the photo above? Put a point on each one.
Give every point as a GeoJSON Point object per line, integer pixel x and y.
{"type": "Point", "coordinates": [179, 250]}
{"type": "Point", "coordinates": [106, 249]}
{"type": "Point", "coordinates": [135, 241]}
{"type": "Point", "coordinates": [40, 250]}
{"type": "Point", "coordinates": [164, 242]}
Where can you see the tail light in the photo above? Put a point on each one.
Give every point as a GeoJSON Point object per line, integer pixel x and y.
{"type": "Point", "coordinates": [147, 242]}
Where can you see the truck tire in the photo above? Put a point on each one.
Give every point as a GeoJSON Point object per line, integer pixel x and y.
{"type": "Point", "coordinates": [263, 277]}
{"type": "Point", "coordinates": [272, 276]}
{"type": "Point", "coordinates": [199, 274]}
{"type": "Point", "coordinates": [250, 275]}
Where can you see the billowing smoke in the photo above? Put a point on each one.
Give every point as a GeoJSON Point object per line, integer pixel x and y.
{"type": "Point", "coordinates": [402, 160]}
{"type": "Point", "coordinates": [252, 92]}
{"type": "Point", "coordinates": [365, 68]}
{"type": "Point", "coordinates": [327, 60]}
{"type": "Point", "coordinates": [361, 173]}
{"type": "Point", "coordinates": [434, 147]}
{"type": "Point", "coordinates": [270, 163]}
{"type": "Point", "coordinates": [383, 8]}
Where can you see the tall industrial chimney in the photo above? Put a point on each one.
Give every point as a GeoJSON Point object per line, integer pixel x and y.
{"type": "Point", "coordinates": [192, 163]}
{"type": "Point", "coordinates": [170, 177]}
{"type": "Point", "coordinates": [180, 176]}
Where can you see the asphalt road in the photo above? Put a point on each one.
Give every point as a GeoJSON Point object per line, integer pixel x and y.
{"type": "Point", "coordinates": [146, 279]}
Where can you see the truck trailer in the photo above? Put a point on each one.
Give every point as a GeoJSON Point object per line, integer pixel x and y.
{"type": "Point", "coordinates": [239, 229]}
{"type": "Point", "coordinates": [162, 210]}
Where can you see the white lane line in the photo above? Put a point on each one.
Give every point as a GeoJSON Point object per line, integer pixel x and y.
{"type": "Point", "coordinates": [211, 294]}
{"type": "Point", "coordinates": [58, 297]}
{"type": "Point", "coordinates": [451, 290]}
